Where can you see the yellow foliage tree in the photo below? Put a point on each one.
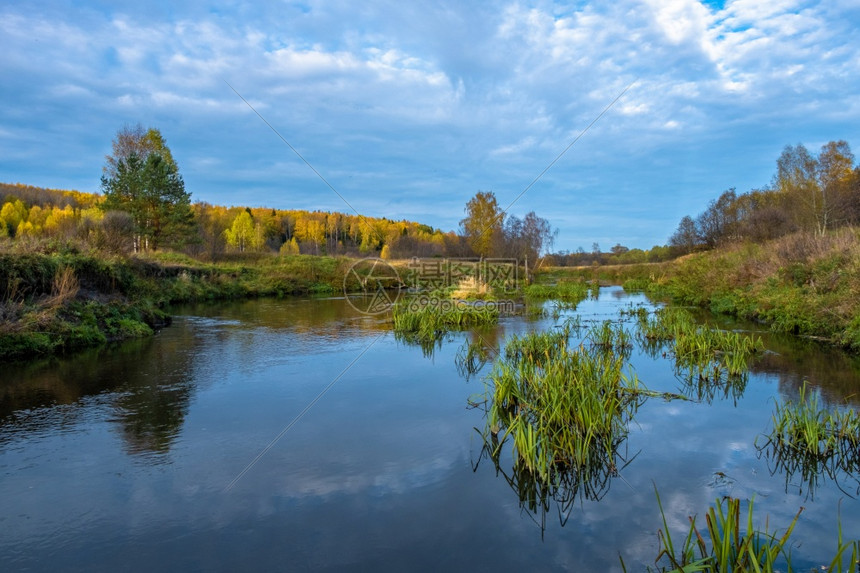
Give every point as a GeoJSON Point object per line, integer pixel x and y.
{"type": "Point", "coordinates": [291, 247]}
{"type": "Point", "coordinates": [242, 233]}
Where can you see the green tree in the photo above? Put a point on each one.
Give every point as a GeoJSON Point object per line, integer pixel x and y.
{"type": "Point", "coordinates": [152, 191]}
{"type": "Point", "coordinates": [135, 140]}
{"type": "Point", "coordinates": [484, 223]}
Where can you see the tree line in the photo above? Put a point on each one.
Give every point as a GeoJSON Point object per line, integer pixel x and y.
{"type": "Point", "coordinates": [144, 206]}
{"type": "Point", "coordinates": [814, 193]}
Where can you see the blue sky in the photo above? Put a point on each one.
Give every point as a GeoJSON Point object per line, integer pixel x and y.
{"type": "Point", "coordinates": [409, 108]}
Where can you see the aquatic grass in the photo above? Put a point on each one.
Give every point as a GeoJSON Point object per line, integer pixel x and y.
{"type": "Point", "coordinates": [559, 405]}
{"type": "Point", "coordinates": [731, 542]}
{"type": "Point", "coordinates": [610, 336]}
{"type": "Point", "coordinates": [728, 544]}
{"type": "Point", "coordinates": [538, 348]}
{"type": "Point", "coordinates": [568, 292]}
{"type": "Point", "coordinates": [638, 312]}
{"type": "Point", "coordinates": [666, 324]}
{"type": "Point", "coordinates": [706, 358]}
{"type": "Point", "coordinates": [812, 442]}
{"type": "Point", "coordinates": [428, 321]}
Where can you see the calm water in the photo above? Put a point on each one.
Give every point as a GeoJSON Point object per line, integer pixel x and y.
{"type": "Point", "coordinates": [182, 452]}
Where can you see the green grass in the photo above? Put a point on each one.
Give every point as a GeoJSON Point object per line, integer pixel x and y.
{"type": "Point", "coordinates": [730, 542]}
{"type": "Point", "coordinates": [111, 298]}
{"type": "Point", "coordinates": [569, 292]}
{"type": "Point", "coordinates": [562, 409]}
{"type": "Point", "coordinates": [706, 359]}
{"type": "Point", "coordinates": [810, 442]}
{"type": "Point", "coordinates": [428, 321]}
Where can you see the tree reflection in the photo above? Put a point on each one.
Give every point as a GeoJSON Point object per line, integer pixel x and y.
{"type": "Point", "coordinates": [151, 416]}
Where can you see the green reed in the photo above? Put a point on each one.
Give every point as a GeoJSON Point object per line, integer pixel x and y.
{"type": "Point", "coordinates": [569, 292]}
{"type": "Point", "coordinates": [428, 321]}
{"type": "Point", "coordinates": [666, 324]}
{"type": "Point", "coordinates": [812, 442]}
{"type": "Point", "coordinates": [610, 336]}
{"type": "Point", "coordinates": [706, 358]}
{"type": "Point", "coordinates": [560, 407]}
{"type": "Point", "coordinates": [730, 542]}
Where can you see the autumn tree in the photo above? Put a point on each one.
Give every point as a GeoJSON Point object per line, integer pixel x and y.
{"type": "Point", "coordinates": [835, 174]}
{"type": "Point", "coordinates": [819, 187]}
{"type": "Point", "coordinates": [527, 238]}
{"type": "Point", "coordinates": [242, 232]}
{"type": "Point", "coordinates": [686, 237]}
{"type": "Point", "coordinates": [484, 223]}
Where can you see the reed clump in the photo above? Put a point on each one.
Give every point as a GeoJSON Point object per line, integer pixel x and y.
{"type": "Point", "coordinates": [811, 442]}
{"type": "Point", "coordinates": [610, 337]}
{"type": "Point", "coordinates": [703, 355]}
{"type": "Point", "coordinates": [563, 409]}
{"type": "Point", "coordinates": [568, 292]}
{"type": "Point", "coordinates": [428, 321]}
{"type": "Point", "coordinates": [730, 542]}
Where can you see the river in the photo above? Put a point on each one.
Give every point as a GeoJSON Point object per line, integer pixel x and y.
{"type": "Point", "coordinates": [299, 434]}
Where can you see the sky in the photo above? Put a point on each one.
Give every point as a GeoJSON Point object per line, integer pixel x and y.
{"type": "Point", "coordinates": [405, 109]}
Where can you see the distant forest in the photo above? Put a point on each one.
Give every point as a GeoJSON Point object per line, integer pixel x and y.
{"type": "Point", "coordinates": [812, 193]}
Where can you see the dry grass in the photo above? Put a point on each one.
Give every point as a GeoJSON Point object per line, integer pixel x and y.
{"type": "Point", "coordinates": [65, 287]}
{"type": "Point", "coordinates": [471, 287]}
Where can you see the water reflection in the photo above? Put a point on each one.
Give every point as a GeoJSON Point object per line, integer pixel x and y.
{"type": "Point", "coordinates": [807, 473]}
{"type": "Point", "coordinates": [147, 388]}
{"type": "Point", "coordinates": [380, 475]}
{"type": "Point", "coordinates": [707, 389]}
{"type": "Point", "coordinates": [147, 385]}
{"type": "Point", "coordinates": [428, 346]}
{"type": "Point", "coordinates": [567, 485]}
{"type": "Point", "coordinates": [791, 361]}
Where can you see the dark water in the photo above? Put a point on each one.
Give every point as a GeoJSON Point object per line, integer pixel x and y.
{"type": "Point", "coordinates": [183, 452]}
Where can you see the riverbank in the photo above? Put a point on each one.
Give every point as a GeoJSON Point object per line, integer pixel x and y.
{"type": "Point", "coordinates": [801, 284]}
{"type": "Point", "coordinates": [58, 302]}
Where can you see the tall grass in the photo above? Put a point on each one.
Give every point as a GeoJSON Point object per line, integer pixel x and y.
{"type": "Point", "coordinates": [569, 292]}
{"type": "Point", "coordinates": [731, 542]}
{"type": "Point", "coordinates": [706, 359]}
{"type": "Point", "coordinates": [560, 407]}
{"type": "Point", "coordinates": [428, 321]}
{"type": "Point", "coordinates": [811, 442]}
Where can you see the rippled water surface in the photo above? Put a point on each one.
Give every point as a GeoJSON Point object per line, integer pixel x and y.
{"type": "Point", "coordinates": [301, 435]}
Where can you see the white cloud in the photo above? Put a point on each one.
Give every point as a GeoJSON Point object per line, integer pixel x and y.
{"type": "Point", "coordinates": [489, 94]}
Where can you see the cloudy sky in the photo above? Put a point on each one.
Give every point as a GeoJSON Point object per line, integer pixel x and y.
{"type": "Point", "coordinates": [408, 108]}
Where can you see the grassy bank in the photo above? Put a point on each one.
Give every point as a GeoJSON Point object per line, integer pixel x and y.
{"type": "Point", "coordinates": [801, 284]}
{"type": "Point", "coordinates": [57, 302]}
